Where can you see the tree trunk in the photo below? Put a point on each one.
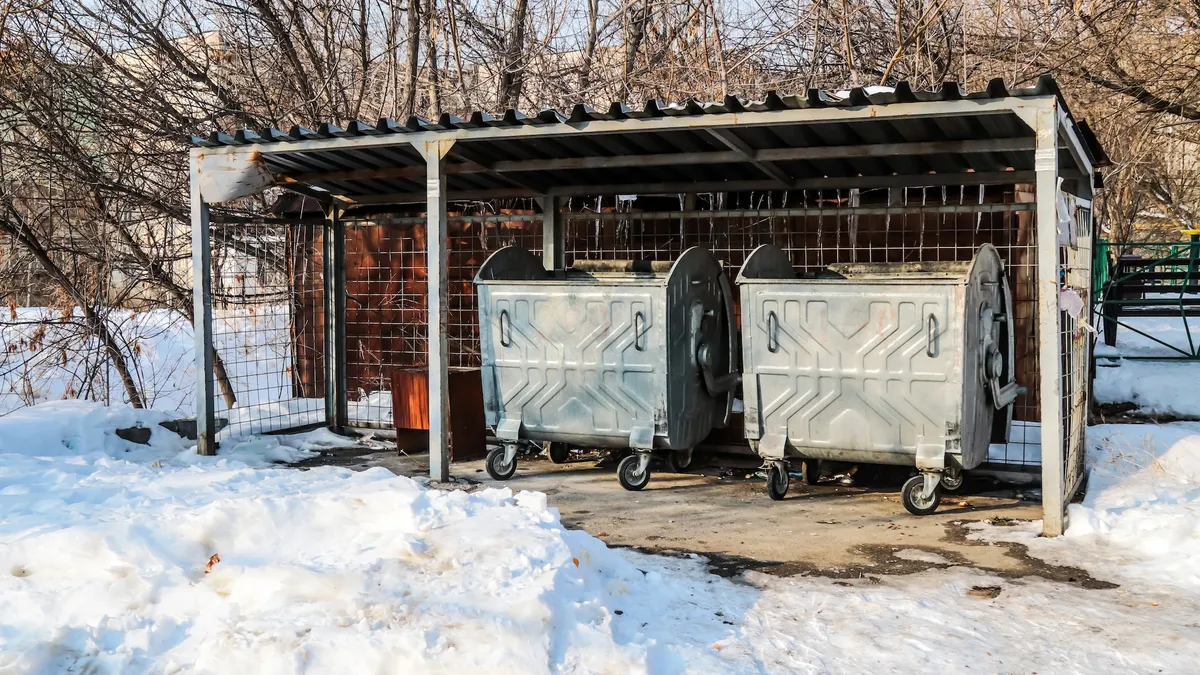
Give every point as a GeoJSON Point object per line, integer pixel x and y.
{"type": "Point", "coordinates": [431, 27]}
{"type": "Point", "coordinates": [414, 52]}
{"type": "Point", "coordinates": [512, 76]}
{"type": "Point", "coordinates": [635, 32]}
{"type": "Point", "coordinates": [589, 49]}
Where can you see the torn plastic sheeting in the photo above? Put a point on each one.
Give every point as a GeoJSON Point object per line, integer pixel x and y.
{"type": "Point", "coordinates": [1070, 302]}
{"type": "Point", "coordinates": [227, 176]}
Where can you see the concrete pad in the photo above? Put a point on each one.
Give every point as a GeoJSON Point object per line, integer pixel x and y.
{"type": "Point", "coordinates": [826, 530]}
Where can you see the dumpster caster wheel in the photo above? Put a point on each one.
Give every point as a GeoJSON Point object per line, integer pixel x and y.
{"type": "Point", "coordinates": [558, 452]}
{"type": "Point", "coordinates": [915, 500]}
{"type": "Point", "coordinates": [634, 471]}
{"type": "Point", "coordinates": [812, 471]}
{"type": "Point", "coordinates": [777, 480]}
{"type": "Point", "coordinates": [502, 462]}
{"type": "Point", "coordinates": [678, 460]}
{"type": "Point", "coordinates": [953, 480]}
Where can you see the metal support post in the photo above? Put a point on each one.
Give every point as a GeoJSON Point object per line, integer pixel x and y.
{"type": "Point", "coordinates": [206, 427]}
{"type": "Point", "coordinates": [553, 234]}
{"type": "Point", "coordinates": [1049, 358]}
{"type": "Point", "coordinates": [436, 260]}
{"type": "Point", "coordinates": [334, 286]}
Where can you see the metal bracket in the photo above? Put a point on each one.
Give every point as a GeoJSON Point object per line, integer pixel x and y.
{"type": "Point", "coordinates": [931, 456]}
{"type": "Point", "coordinates": [643, 463]}
{"type": "Point", "coordinates": [509, 428]}
{"type": "Point", "coordinates": [1004, 396]}
{"type": "Point", "coordinates": [641, 437]}
{"type": "Point", "coordinates": [772, 446]}
{"type": "Point", "coordinates": [930, 484]}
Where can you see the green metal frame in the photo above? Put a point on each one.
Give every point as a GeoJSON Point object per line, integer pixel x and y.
{"type": "Point", "coordinates": [1179, 257]}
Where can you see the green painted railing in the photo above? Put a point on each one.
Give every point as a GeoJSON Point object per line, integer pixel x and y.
{"type": "Point", "coordinates": [1124, 273]}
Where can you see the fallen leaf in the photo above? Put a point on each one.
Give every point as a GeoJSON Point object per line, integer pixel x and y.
{"type": "Point", "coordinates": [216, 558]}
{"type": "Point", "coordinates": [963, 504]}
{"type": "Point", "coordinates": [602, 534]}
{"type": "Point", "coordinates": [716, 646]}
{"type": "Point", "coordinates": [1155, 604]}
{"type": "Point", "coordinates": [576, 561]}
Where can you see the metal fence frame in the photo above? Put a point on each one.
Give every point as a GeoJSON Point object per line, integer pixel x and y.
{"type": "Point", "coordinates": [1043, 113]}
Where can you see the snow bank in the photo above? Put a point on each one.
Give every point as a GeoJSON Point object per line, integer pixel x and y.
{"type": "Point", "coordinates": [1142, 507]}
{"type": "Point", "coordinates": [121, 559]}
{"type": "Point", "coordinates": [1139, 522]}
{"type": "Point", "coordinates": [87, 431]}
{"type": "Point", "coordinates": [1157, 387]}
{"type": "Point", "coordinates": [104, 546]}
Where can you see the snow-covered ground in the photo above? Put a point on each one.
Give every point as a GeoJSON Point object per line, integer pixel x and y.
{"type": "Point", "coordinates": [1157, 387]}
{"type": "Point", "coordinates": [40, 362]}
{"type": "Point", "coordinates": [1139, 523]}
{"type": "Point", "coordinates": [123, 558]}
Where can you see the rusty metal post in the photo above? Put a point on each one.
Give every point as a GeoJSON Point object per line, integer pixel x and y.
{"type": "Point", "coordinates": [206, 427]}
{"type": "Point", "coordinates": [334, 283]}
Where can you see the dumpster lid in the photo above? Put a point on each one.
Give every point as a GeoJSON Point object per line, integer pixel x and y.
{"type": "Point", "coordinates": [903, 269]}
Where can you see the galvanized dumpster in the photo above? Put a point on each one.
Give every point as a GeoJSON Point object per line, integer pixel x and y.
{"type": "Point", "coordinates": [904, 363]}
{"type": "Point", "coordinates": [622, 354]}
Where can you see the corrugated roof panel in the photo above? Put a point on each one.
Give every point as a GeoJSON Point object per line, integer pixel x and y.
{"type": "Point", "coordinates": [372, 169]}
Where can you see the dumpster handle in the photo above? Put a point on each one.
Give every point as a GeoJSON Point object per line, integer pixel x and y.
{"type": "Point", "coordinates": [504, 318]}
{"type": "Point", "coordinates": [772, 332]}
{"type": "Point", "coordinates": [931, 335]}
{"type": "Point", "coordinates": [639, 326]}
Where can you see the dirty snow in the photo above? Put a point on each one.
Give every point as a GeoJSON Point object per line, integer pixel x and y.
{"type": "Point", "coordinates": [917, 555]}
{"type": "Point", "coordinates": [104, 547]}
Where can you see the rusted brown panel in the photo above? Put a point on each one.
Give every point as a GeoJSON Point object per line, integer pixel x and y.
{"type": "Point", "coordinates": [410, 399]}
{"type": "Point", "coordinates": [386, 274]}
{"type": "Point", "coordinates": [468, 431]}
{"type": "Point", "coordinates": [308, 314]}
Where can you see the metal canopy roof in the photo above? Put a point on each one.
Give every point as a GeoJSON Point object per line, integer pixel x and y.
{"type": "Point", "coordinates": [901, 137]}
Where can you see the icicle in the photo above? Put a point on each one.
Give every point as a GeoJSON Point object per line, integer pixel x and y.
{"type": "Point", "coordinates": [887, 218]}
{"type": "Point", "coordinates": [979, 215]}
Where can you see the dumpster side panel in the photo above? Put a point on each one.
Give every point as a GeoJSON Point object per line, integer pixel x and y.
{"type": "Point", "coordinates": [855, 371]}
{"type": "Point", "coordinates": [573, 363]}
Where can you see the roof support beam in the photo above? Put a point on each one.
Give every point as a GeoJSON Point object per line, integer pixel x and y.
{"type": "Point", "coordinates": [299, 187]}
{"type": "Point", "coordinates": [832, 183]}
{"type": "Point", "coordinates": [472, 163]}
{"type": "Point", "coordinates": [757, 157]}
{"type": "Point", "coordinates": [727, 138]}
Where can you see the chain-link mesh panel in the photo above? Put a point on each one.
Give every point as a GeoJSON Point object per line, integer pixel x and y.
{"type": "Point", "coordinates": [266, 283]}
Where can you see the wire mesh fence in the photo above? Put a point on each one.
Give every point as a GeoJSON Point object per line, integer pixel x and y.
{"type": "Point", "coordinates": [1075, 336]}
{"type": "Point", "coordinates": [276, 354]}
{"type": "Point", "coordinates": [267, 287]}
{"type": "Point", "coordinates": [387, 298]}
